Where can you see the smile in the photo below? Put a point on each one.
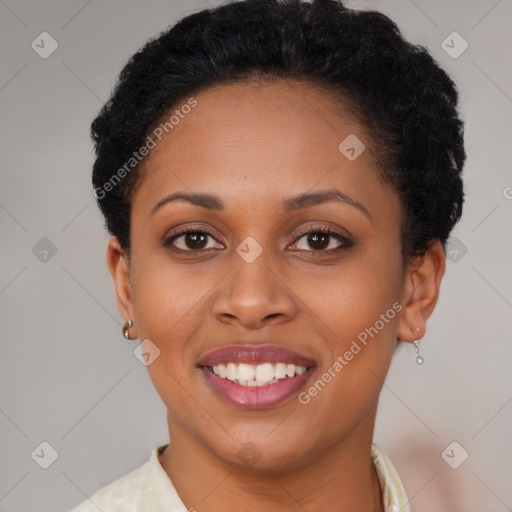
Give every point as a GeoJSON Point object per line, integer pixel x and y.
{"type": "Point", "coordinates": [260, 375]}
{"type": "Point", "coordinates": [256, 377]}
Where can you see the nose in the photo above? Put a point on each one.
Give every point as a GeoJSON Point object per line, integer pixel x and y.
{"type": "Point", "coordinates": [254, 295]}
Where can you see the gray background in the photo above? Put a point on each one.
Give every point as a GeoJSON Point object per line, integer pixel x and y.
{"type": "Point", "coordinates": [68, 377]}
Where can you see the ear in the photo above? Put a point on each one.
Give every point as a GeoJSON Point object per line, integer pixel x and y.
{"type": "Point", "coordinates": [420, 292]}
{"type": "Point", "coordinates": [119, 268]}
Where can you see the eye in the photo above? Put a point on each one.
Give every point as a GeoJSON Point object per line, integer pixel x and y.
{"type": "Point", "coordinates": [320, 238]}
{"type": "Point", "coordinates": [323, 240]}
{"type": "Point", "coordinates": [190, 239]}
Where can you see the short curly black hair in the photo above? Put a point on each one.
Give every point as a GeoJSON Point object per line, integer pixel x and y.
{"type": "Point", "coordinates": [407, 103]}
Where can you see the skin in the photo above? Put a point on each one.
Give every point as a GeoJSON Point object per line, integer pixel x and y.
{"type": "Point", "coordinates": [254, 145]}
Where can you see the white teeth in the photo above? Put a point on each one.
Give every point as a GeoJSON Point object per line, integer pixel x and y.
{"type": "Point", "coordinates": [281, 370]}
{"type": "Point", "coordinates": [290, 370]}
{"type": "Point", "coordinates": [257, 375]}
{"type": "Point", "coordinates": [245, 372]}
{"type": "Point", "coordinates": [231, 371]}
{"type": "Point", "coordinates": [222, 371]}
{"type": "Point", "coordinates": [264, 372]}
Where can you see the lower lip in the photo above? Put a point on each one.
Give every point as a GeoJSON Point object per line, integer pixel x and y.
{"type": "Point", "coordinates": [257, 397]}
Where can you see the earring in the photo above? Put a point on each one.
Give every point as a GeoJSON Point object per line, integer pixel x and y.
{"type": "Point", "coordinates": [126, 328]}
{"type": "Point", "coordinates": [419, 358]}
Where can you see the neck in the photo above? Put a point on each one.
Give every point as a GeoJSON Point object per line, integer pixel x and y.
{"type": "Point", "coordinates": [342, 478]}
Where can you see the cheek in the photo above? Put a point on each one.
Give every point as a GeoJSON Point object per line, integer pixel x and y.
{"type": "Point", "coordinates": [168, 307]}
{"type": "Point", "coordinates": [167, 298]}
{"type": "Point", "coordinates": [168, 310]}
{"type": "Point", "coordinates": [345, 303]}
{"type": "Point", "coordinates": [357, 314]}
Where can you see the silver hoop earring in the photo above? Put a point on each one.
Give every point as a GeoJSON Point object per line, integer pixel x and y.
{"type": "Point", "coordinates": [126, 329]}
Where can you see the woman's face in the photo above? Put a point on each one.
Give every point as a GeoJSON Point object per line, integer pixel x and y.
{"type": "Point", "coordinates": [255, 285]}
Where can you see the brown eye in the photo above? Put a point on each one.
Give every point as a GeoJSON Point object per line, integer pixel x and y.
{"type": "Point", "coordinates": [322, 239]}
{"type": "Point", "coordinates": [318, 240]}
{"type": "Point", "coordinates": [190, 240]}
{"type": "Point", "coordinates": [195, 240]}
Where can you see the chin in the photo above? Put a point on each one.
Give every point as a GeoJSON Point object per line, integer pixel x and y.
{"type": "Point", "coordinates": [258, 453]}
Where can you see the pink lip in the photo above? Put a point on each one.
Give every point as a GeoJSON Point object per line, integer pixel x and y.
{"type": "Point", "coordinates": [256, 397]}
{"type": "Point", "coordinates": [255, 355]}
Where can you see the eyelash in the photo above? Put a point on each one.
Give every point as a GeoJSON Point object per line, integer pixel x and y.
{"type": "Point", "coordinates": [345, 242]}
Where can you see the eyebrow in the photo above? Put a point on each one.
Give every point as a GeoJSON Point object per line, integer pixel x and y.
{"type": "Point", "coordinates": [211, 202]}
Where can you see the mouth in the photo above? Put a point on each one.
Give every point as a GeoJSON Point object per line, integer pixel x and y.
{"type": "Point", "coordinates": [255, 378]}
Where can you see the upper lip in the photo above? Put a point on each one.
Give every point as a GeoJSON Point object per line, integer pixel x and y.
{"type": "Point", "coordinates": [255, 355]}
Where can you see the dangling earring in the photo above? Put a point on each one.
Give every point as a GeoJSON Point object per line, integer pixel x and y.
{"type": "Point", "coordinates": [419, 357]}
{"type": "Point", "coordinates": [126, 329]}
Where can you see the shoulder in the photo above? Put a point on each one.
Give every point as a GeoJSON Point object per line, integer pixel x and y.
{"type": "Point", "coordinates": [122, 495]}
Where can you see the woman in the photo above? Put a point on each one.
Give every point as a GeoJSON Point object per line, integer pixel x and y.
{"type": "Point", "coordinates": [279, 180]}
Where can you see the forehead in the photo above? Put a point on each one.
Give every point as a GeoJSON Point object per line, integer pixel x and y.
{"type": "Point", "coordinates": [260, 141]}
